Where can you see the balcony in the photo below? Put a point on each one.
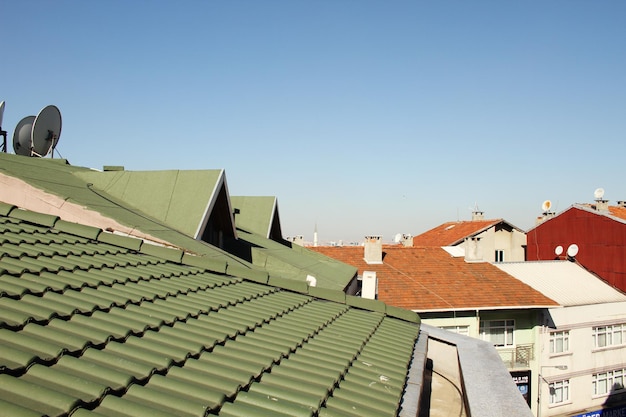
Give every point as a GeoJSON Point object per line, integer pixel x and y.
{"type": "Point", "coordinates": [518, 356]}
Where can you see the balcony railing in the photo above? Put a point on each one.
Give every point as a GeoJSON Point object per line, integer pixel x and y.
{"type": "Point", "coordinates": [518, 356]}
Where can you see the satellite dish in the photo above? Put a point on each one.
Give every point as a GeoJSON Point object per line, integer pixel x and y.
{"type": "Point", "coordinates": [572, 250]}
{"type": "Point", "coordinates": [22, 136]}
{"type": "Point", "coordinates": [546, 205]}
{"type": "Point", "coordinates": [599, 193]}
{"type": "Point", "coordinates": [558, 250]}
{"type": "Point", "coordinates": [397, 238]}
{"type": "Point", "coordinates": [1, 113]}
{"type": "Point", "coordinates": [46, 130]}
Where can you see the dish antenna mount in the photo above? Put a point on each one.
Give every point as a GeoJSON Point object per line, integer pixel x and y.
{"type": "Point", "coordinates": [3, 133]}
{"type": "Point", "coordinates": [546, 206]}
{"type": "Point", "coordinates": [38, 135]}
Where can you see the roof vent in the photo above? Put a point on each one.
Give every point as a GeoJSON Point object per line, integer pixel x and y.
{"type": "Point", "coordinates": [369, 286]}
{"type": "Point", "coordinates": [373, 250]}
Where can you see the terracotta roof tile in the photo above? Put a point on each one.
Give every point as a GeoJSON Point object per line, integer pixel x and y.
{"type": "Point", "coordinates": [427, 278]}
{"type": "Point", "coordinates": [451, 233]}
{"type": "Point", "coordinates": [618, 212]}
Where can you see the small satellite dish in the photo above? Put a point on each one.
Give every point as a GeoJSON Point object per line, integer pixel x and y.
{"type": "Point", "coordinates": [572, 250]}
{"type": "Point", "coordinates": [46, 130]}
{"type": "Point", "coordinates": [1, 113]}
{"type": "Point", "coordinates": [546, 205]}
{"type": "Point", "coordinates": [558, 250]}
{"type": "Point", "coordinates": [22, 136]}
{"type": "Point", "coordinates": [599, 193]}
{"type": "Point", "coordinates": [397, 238]}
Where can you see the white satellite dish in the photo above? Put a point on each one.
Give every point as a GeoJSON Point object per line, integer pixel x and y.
{"type": "Point", "coordinates": [22, 136]}
{"type": "Point", "coordinates": [1, 113]}
{"type": "Point", "coordinates": [572, 250]}
{"type": "Point", "coordinates": [599, 193]}
{"type": "Point", "coordinates": [558, 250]}
{"type": "Point", "coordinates": [546, 206]}
{"type": "Point", "coordinates": [46, 130]}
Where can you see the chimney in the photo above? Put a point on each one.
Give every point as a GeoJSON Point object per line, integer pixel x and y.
{"type": "Point", "coordinates": [297, 240]}
{"type": "Point", "coordinates": [407, 240]}
{"type": "Point", "coordinates": [477, 215]}
{"type": "Point", "coordinates": [602, 205]}
{"type": "Point", "coordinates": [373, 249]}
{"type": "Point", "coordinates": [621, 203]}
{"type": "Point", "coordinates": [473, 249]}
{"type": "Point", "coordinates": [369, 285]}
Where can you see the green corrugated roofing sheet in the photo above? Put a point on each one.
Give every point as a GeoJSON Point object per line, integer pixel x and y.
{"type": "Point", "coordinates": [169, 205]}
{"type": "Point", "coordinates": [68, 182]}
{"type": "Point", "coordinates": [173, 339]}
{"type": "Point", "coordinates": [295, 262]}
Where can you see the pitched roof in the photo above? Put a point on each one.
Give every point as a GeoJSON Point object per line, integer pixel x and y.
{"type": "Point", "coordinates": [453, 233]}
{"type": "Point", "coordinates": [427, 278]}
{"type": "Point", "coordinates": [566, 282]}
{"type": "Point", "coordinates": [96, 324]}
{"type": "Point", "coordinates": [99, 199]}
{"type": "Point", "coordinates": [258, 215]}
{"type": "Point", "coordinates": [181, 199]}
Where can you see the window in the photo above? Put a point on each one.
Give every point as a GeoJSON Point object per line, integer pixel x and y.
{"type": "Point", "coordinates": [559, 342]}
{"type": "Point", "coordinates": [559, 392]}
{"type": "Point", "coordinates": [604, 336]}
{"type": "Point", "coordinates": [499, 255]}
{"type": "Point", "coordinates": [608, 382]}
{"type": "Point", "coordinates": [464, 330]}
{"type": "Point", "coordinates": [498, 332]}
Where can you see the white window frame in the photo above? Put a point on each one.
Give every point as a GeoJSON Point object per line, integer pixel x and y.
{"type": "Point", "coordinates": [605, 383]}
{"type": "Point", "coordinates": [458, 329]}
{"type": "Point", "coordinates": [555, 337]}
{"type": "Point", "coordinates": [607, 336]}
{"type": "Point", "coordinates": [508, 332]}
{"type": "Point", "coordinates": [559, 392]}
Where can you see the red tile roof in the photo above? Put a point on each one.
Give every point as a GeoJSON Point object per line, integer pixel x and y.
{"type": "Point", "coordinates": [617, 211]}
{"type": "Point", "coordinates": [429, 278]}
{"type": "Point", "coordinates": [452, 233]}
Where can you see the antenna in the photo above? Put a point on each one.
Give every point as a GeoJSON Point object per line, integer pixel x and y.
{"type": "Point", "coordinates": [572, 250]}
{"type": "Point", "coordinates": [3, 133]}
{"type": "Point", "coordinates": [546, 206]}
{"type": "Point", "coordinates": [38, 136]}
{"type": "Point", "coordinates": [22, 139]}
{"type": "Point", "coordinates": [599, 193]}
{"type": "Point", "coordinates": [558, 250]}
{"type": "Point", "coordinates": [46, 131]}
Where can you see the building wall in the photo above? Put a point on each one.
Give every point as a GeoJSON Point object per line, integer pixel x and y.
{"type": "Point", "coordinates": [509, 240]}
{"type": "Point", "coordinates": [601, 242]}
{"type": "Point", "coordinates": [582, 359]}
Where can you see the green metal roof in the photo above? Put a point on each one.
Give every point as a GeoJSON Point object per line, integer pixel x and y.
{"type": "Point", "coordinates": [159, 209]}
{"type": "Point", "coordinates": [177, 198]}
{"type": "Point", "coordinates": [255, 214]}
{"type": "Point", "coordinates": [93, 324]}
{"type": "Point", "coordinates": [297, 262]}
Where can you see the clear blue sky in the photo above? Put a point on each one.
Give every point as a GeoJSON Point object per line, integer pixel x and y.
{"type": "Point", "coordinates": [361, 117]}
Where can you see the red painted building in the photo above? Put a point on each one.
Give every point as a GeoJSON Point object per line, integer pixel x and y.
{"type": "Point", "coordinates": [595, 234]}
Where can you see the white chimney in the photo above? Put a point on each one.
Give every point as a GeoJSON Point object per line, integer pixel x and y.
{"type": "Point", "coordinates": [473, 249]}
{"type": "Point", "coordinates": [621, 203]}
{"type": "Point", "coordinates": [407, 240]}
{"type": "Point", "coordinates": [373, 249]}
{"type": "Point", "coordinates": [477, 215]}
{"type": "Point", "coordinates": [297, 240]}
{"type": "Point", "coordinates": [369, 285]}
